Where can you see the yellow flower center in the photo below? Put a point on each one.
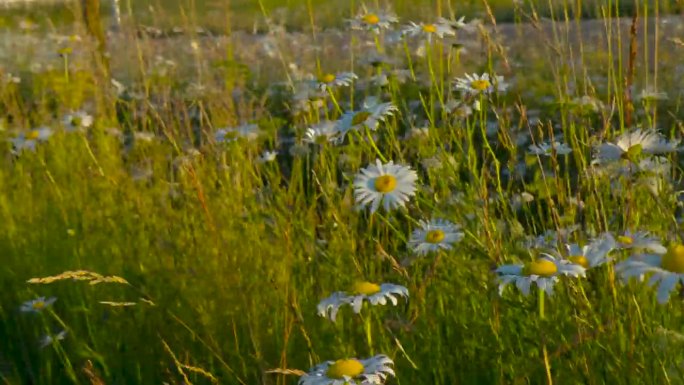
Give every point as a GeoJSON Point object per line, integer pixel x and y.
{"type": "Point", "coordinates": [625, 239]}
{"type": "Point", "coordinates": [434, 236]}
{"type": "Point", "coordinates": [32, 135]}
{"type": "Point", "coordinates": [38, 305]}
{"type": "Point", "coordinates": [360, 117]}
{"type": "Point", "coordinates": [429, 28]}
{"type": "Point", "coordinates": [76, 121]}
{"type": "Point", "coordinates": [344, 368]}
{"type": "Point", "coordinates": [365, 288]}
{"type": "Point", "coordinates": [480, 85]}
{"type": "Point", "coordinates": [541, 267]}
{"type": "Point", "coordinates": [327, 78]}
{"type": "Point", "coordinates": [371, 18]}
{"type": "Point", "coordinates": [385, 184]}
{"type": "Point", "coordinates": [673, 260]}
{"type": "Point", "coordinates": [580, 260]}
{"type": "Point", "coordinates": [633, 152]}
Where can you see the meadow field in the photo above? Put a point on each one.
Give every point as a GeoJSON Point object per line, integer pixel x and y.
{"type": "Point", "coordinates": [342, 192]}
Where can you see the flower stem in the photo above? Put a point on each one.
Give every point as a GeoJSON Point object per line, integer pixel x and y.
{"type": "Point", "coordinates": [547, 366]}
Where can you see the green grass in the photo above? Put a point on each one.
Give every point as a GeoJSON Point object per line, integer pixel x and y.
{"type": "Point", "coordinates": [226, 257]}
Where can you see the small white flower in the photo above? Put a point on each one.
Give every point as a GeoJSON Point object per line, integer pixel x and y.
{"type": "Point", "coordinates": [481, 84]}
{"type": "Point", "coordinates": [37, 305]}
{"type": "Point", "coordinates": [434, 235]}
{"type": "Point", "coordinates": [387, 184]}
{"type": "Point", "coordinates": [666, 270]}
{"type": "Point", "coordinates": [373, 21]}
{"type": "Point", "coordinates": [652, 95]}
{"type": "Point", "coordinates": [594, 254]}
{"type": "Point", "coordinates": [268, 156]}
{"type": "Point", "coordinates": [29, 140]}
{"type": "Point", "coordinates": [48, 340]}
{"type": "Point", "coordinates": [544, 272]}
{"type": "Point", "coordinates": [323, 132]}
{"type": "Point", "coordinates": [632, 144]}
{"type": "Point", "coordinates": [439, 29]}
{"type": "Point", "coordinates": [247, 131]}
{"type": "Point", "coordinates": [373, 293]}
{"type": "Point", "coordinates": [547, 149]}
{"type": "Point", "coordinates": [640, 240]}
{"type": "Point", "coordinates": [76, 121]}
{"type": "Point", "coordinates": [342, 79]}
{"type": "Point", "coordinates": [352, 371]}
{"type": "Point", "coordinates": [371, 115]}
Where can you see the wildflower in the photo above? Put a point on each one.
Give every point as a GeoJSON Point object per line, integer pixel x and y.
{"type": "Point", "coordinates": [342, 79]}
{"type": "Point", "coordinates": [434, 235]}
{"type": "Point", "coordinates": [481, 84]}
{"type": "Point", "coordinates": [351, 371]}
{"type": "Point", "coordinates": [37, 305]}
{"type": "Point", "coordinates": [322, 132]}
{"type": "Point", "coordinates": [28, 140]}
{"type": "Point", "coordinates": [268, 156]}
{"type": "Point", "coordinates": [632, 144]}
{"type": "Point", "coordinates": [78, 120]}
{"type": "Point", "coordinates": [373, 21]}
{"type": "Point", "coordinates": [373, 293]}
{"type": "Point", "coordinates": [458, 109]}
{"type": "Point", "coordinates": [652, 95]}
{"type": "Point", "coordinates": [640, 240]}
{"type": "Point", "coordinates": [48, 340]}
{"type": "Point", "coordinates": [666, 270]}
{"type": "Point", "coordinates": [439, 29]}
{"type": "Point", "coordinates": [548, 149]}
{"type": "Point", "coordinates": [370, 116]}
{"type": "Point", "coordinates": [389, 184]}
{"type": "Point", "coordinates": [592, 255]}
{"type": "Point", "coordinates": [544, 272]}
{"type": "Point", "coordinates": [247, 131]}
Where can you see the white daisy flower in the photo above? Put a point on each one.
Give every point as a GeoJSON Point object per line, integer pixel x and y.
{"type": "Point", "coordinates": [48, 340]}
{"type": "Point", "coordinates": [439, 29]}
{"type": "Point", "coordinates": [78, 120]}
{"type": "Point", "coordinates": [323, 132]}
{"type": "Point", "coordinates": [666, 270]}
{"type": "Point", "coordinates": [371, 115]}
{"type": "Point", "coordinates": [268, 156]}
{"type": "Point", "coordinates": [434, 235]}
{"type": "Point", "coordinates": [387, 184]}
{"type": "Point", "coordinates": [247, 131]}
{"type": "Point", "coordinates": [29, 140]}
{"type": "Point", "coordinates": [37, 305]}
{"type": "Point", "coordinates": [458, 109]}
{"type": "Point", "coordinates": [373, 293]}
{"type": "Point", "coordinates": [342, 79]}
{"type": "Point", "coordinates": [481, 84]}
{"type": "Point", "coordinates": [640, 240]}
{"type": "Point", "coordinates": [631, 144]}
{"type": "Point", "coordinates": [652, 95]}
{"type": "Point", "coordinates": [548, 149]}
{"type": "Point", "coordinates": [373, 21]}
{"type": "Point", "coordinates": [352, 371]}
{"type": "Point", "coordinates": [544, 272]}
{"type": "Point", "coordinates": [591, 255]}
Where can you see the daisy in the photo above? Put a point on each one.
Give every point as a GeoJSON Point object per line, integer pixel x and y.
{"type": "Point", "coordinates": [434, 235]}
{"type": "Point", "coordinates": [544, 272]}
{"type": "Point", "coordinates": [592, 255]}
{"type": "Point", "coordinates": [322, 132]}
{"type": "Point", "coordinates": [37, 305]}
{"type": "Point", "coordinates": [28, 140]}
{"type": "Point", "coordinates": [371, 115]}
{"type": "Point", "coordinates": [439, 29]}
{"type": "Point", "coordinates": [48, 340]}
{"type": "Point", "coordinates": [640, 240]}
{"type": "Point", "coordinates": [268, 156]}
{"type": "Point", "coordinates": [389, 184]}
{"type": "Point", "coordinates": [481, 84]}
{"type": "Point", "coordinates": [371, 292]}
{"type": "Point", "coordinates": [373, 21]}
{"type": "Point", "coordinates": [666, 270]}
{"type": "Point", "coordinates": [632, 144]}
{"type": "Point", "coordinates": [548, 149]}
{"type": "Point", "coordinates": [342, 79]}
{"type": "Point", "coordinates": [351, 371]}
{"type": "Point", "coordinates": [77, 121]}
{"type": "Point", "coordinates": [247, 131]}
